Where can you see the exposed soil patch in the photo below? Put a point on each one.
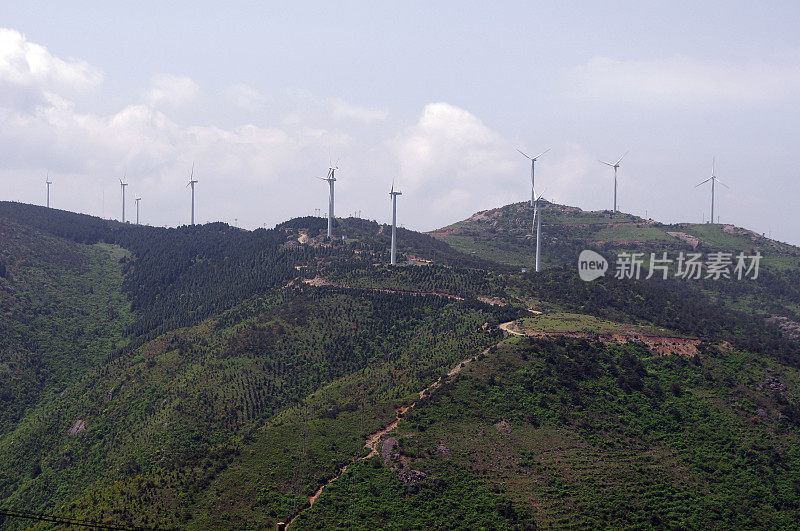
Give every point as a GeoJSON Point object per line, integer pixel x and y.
{"type": "Point", "coordinates": [660, 345]}
{"type": "Point", "coordinates": [78, 427]}
{"type": "Point", "coordinates": [688, 238]}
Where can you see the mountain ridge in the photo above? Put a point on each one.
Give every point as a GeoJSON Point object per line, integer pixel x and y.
{"type": "Point", "coordinates": [257, 364]}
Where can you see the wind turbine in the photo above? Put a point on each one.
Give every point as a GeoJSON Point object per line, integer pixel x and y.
{"type": "Point", "coordinates": [538, 226]}
{"type": "Point", "coordinates": [137, 209]}
{"type": "Point", "coordinates": [331, 178]}
{"type": "Point", "coordinates": [48, 182]}
{"type": "Point", "coordinates": [533, 164]}
{"type": "Point", "coordinates": [615, 165]}
{"type": "Point", "coordinates": [122, 185]}
{"type": "Point", "coordinates": [713, 180]}
{"type": "Point", "coordinates": [393, 194]}
{"type": "Point", "coordinates": [191, 183]}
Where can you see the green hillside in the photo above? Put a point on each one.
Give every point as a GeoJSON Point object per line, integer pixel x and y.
{"type": "Point", "coordinates": [63, 314]}
{"type": "Point", "coordinates": [504, 235]}
{"type": "Point", "coordinates": [211, 377]}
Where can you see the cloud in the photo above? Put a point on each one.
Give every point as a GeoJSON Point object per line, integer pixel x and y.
{"type": "Point", "coordinates": [454, 164]}
{"type": "Point", "coordinates": [343, 110]}
{"type": "Point", "coordinates": [171, 89]}
{"type": "Point", "coordinates": [681, 79]}
{"type": "Point", "coordinates": [28, 70]}
{"type": "Point", "coordinates": [245, 97]}
{"type": "Point", "coordinates": [252, 172]}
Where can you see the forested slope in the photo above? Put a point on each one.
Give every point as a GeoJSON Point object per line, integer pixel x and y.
{"type": "Point", "coordinates": [213, 377]}
{"type": "Point", "coordinates": [63, 313]}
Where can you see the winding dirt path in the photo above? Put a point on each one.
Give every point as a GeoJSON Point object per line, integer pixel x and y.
{"type": "Point", "coordinates": [373, 440]}
{"type": "Point", "coordinates": [510, 327]}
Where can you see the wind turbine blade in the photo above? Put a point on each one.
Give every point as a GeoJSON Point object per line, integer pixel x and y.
{"type": "Point", "coordinates": [720, 182]}
{"type": "Point", "coordinates": [620, 159]}
{"type": "Point", "coordinates": [323, 178]}
{"type": "Point", "coordinates": [191, 174]}
{"type": "Point", "coordinates": [607, 163]}
{"type": "Point", "coordinates": [540, 154]}
{"type": "Point", "coordinates": [704, 182]}
{"type": "Point", "coordinates": [524, 154]}
{"type": "Point", "coordinates": [712, 165]}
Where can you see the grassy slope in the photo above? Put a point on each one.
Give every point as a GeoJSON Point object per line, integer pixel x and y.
{"type": "Point", "coordinates": [565, 322]}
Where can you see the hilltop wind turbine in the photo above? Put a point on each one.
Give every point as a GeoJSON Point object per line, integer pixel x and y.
{"type": "Point", "coordinates": [191, 183]}
{"type": "Point", "coordinates": [48, 182]}
{"type": "Point", "coordinates": [538, 226]}
{"type": "Point", "coordinates": [713, 180]}
{"type": "Point", "coordinates": [615, 165]}
{"type": "Point", "coordinates": [393, 194]}
{"type": "Point", "coordinates": [137, 209]}
{"type": "Point", "coordinates": [533, 164]}
{"type": "Point", "coordinates": [331, 178]}
{"type": "Point", "coordinates": [122, 185]}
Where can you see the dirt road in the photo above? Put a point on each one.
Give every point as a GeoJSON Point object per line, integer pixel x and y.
{"type": "Point", "coordinates": [373, 440]}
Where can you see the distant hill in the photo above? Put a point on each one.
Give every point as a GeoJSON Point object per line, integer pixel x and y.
{"type": "Point", "coordinates": [504, 235]}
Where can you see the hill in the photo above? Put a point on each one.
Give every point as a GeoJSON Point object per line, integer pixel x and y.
{"type": "Point", "coordinates": [227, 378]}
{"type": "Point", "coordinates": [504, 235]}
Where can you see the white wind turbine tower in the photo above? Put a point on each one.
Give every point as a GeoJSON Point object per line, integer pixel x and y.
{"type": "Point", "coordinates": [331, 178]}
{"type": "Point", "coordinates": [533, 164]}
{"type": "Point", "coordinates": [122, 185]}
{"type": "Point", "coordinates": [137, 209]}
{"type": "Point", "coordinates": [713, 180]}
{"type": "Point", "coordinates": [191, 183]}
{"type": "Point", "coordinates": [393, 194]}
{"type": "Point", "coordinates": [538, 214]}
{"type": "Point", "coordinates": [615, 165]}
{"type": "Point", "coordinates": [48, 182]}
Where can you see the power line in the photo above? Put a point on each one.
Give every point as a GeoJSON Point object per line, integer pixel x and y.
{"type": "Point", "coordinates": [61, 520]}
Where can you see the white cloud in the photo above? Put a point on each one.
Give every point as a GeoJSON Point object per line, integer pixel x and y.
{"type": "Point", "coordinates": [343, 110]}
{"type": "Point", "coordinates": [171, 89]}
{"type": "Point", "coordinates": [248, 171]}
{"type": "Point", "coordinates": [453, 165]}
{"type": "Point", "coordinates": [681, 79]}
{"type": "Point", "coordinates": [25, 65]}
{"type": "Point", "coordinates": [245, 97]}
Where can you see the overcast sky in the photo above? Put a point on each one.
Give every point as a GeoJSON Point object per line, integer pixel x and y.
{"type": "Point", "coordinates": [435, 95]}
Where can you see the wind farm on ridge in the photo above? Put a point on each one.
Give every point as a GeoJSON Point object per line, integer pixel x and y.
{"type": "Point", "coordinates": [537, 202]}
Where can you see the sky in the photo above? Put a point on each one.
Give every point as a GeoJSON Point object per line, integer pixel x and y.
{"type": "Point", "coordinates": [434, 96]}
